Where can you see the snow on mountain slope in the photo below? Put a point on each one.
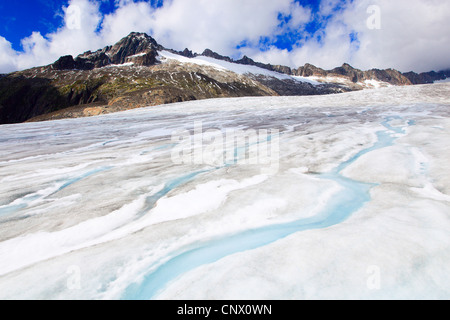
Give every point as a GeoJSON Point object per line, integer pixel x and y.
{"type": "Point", "coordinates": [351, 200]}
{"type": "Point", "coordinates": [223, 65]}
{"type": "Point", "coordinates": [280, 83]}
{"type": "Point", "coordinates": [257, 72]}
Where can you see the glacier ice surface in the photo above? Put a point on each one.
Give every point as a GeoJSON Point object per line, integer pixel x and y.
{"type": "Point", "coordinates": [99, 202]}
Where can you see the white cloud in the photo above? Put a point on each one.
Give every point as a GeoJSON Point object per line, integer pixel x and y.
{"type": "Point", "coordinates": [413, 34]}
{"type": "Point", "coordinates": [7, 56]}
{"type": "Point", "coordinates": [78, 34]}
{"type": "Point", "coordinates": [300, 15]}
{"type": "Point", "coordinates": [218, 25]}
{"type": "Point", "coordinates": [327, 7]}
{"type": "Point", "coordinates": [128, 17]}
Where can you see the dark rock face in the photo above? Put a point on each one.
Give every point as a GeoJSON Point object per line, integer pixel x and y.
{"type": "Point", "coordinates": [427, 77]}
{"type": "Point", "coordinates": [246, 61]}
{"type": "Point", "coordinates": [22, 98]}
{"type": "Point", "coordinates": [282, 69]}
{"type": "Point", "coordinates": [187, 53]}
{"type": "Point", "coordinates": [389, 75]}
{"type": "Point", "coordinates": [215, 55]}
{"type": "Point", "coordinates": [250, 62]}
{"type": "Point", "coordinates": [354, 75]}
{"type": "Point", "coordinates": [132, 45]}
{"type": "Point", "coordinates": [309, 70]}
{"type": "Point", "coordinates": [65, 63]}
{"type": "Point", "coordinates": [287, 87]}
{"type": "Point", "coordinates": [138, 48]}
{"type": "Point", "coordinates": [144, 59]}
{"type": "Point", "coordinates": [349, 72]}
{"type": "Point", "coordinates": [92, 61]}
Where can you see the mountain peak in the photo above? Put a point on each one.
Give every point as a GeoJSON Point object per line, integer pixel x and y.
{"type": "Point", "coordinates": [138, 48]}
{"type": "Point", "coordinates": [347, 66]}
{"type": "Point", "coordinates": [141, 35]}
{"type": "Point", "coordinates": [246, 60]}
{"type": "Point", "coordinates": [141, 41]}
{"type": "Point", "coordinates": [132, 45]}
{"type": "Point", "coordinates": [215, 55]}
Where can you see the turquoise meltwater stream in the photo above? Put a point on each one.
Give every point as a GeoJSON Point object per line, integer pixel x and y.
{"type": "Point", "coordinates": [353, 196]}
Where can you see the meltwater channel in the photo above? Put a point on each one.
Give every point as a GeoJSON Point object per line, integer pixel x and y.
{"type": "Point", "coordinates": [353, 196]}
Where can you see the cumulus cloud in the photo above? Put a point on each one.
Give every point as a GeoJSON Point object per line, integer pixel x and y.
{"type": "Point", "coordinates": [218, 25]}
{"type": "Point", "coordinates": [78, 34]}
{"type": "Point", "coordinates": [300, 15]}
{"type": "Point", "coordinates": [128, 17]}
{"type": "Point", "coordinates": [7, 56]}
{"type": "Point", "coordinates": [413, 34]}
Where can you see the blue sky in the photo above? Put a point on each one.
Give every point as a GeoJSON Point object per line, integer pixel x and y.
{"type": "Point", "coordinates": [19, 19]}
{"type": "Point", "coordinates": [413, 34]}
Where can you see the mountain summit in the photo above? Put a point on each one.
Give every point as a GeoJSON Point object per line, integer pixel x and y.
{"type": "Point", "coordinates": [137, 48]}
{"type": "Point", "coordinates": [137, 72]}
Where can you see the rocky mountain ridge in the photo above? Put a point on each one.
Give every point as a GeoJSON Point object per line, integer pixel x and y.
{"type": "Point", "coordinates": [138, 72]}
{"type": "Point", "coordinates": [391, 76]}
{"type": "Point", "coordinates": [427, 77]}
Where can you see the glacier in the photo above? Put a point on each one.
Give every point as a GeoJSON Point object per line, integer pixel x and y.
{"type": "Point", "coordinates": [358, 208]}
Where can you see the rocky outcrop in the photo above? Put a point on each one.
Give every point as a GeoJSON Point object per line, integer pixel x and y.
{"type": "Point", "coordinates": [282, 69]}
{"type": "Point", "coordinates": [309, 70]}
{"type": "Point", "coordinates": [137, 48]}
{"type": "Point", "coordinates": [347, 71]}
{"type": "Point", "coordinates": [391, 76]}
{"type": "Point", "coordinates": [132, 45]}
{"type": "Point", "coordinates": [142, 59]}
{"type": "Point", "coordinates": [288, 87]}
{"type": "Point", "coordinates": [65, 63]}
{"type": "Point", "coordinates": [215, 55]}
{"type": "Point", "coordinates": [427, 77]}
{"type": "Point", "coordinates": [187, 53]}
{"type": "Point", "coordinates": [250, 62]}
{"type": "Point", "coordinates": [354, 75]}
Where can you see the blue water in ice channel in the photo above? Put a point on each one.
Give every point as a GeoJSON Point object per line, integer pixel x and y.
{"type": "Point", "coordinates": [26, 200]}
{"type": "Point", "coordinates": [353, 196]}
